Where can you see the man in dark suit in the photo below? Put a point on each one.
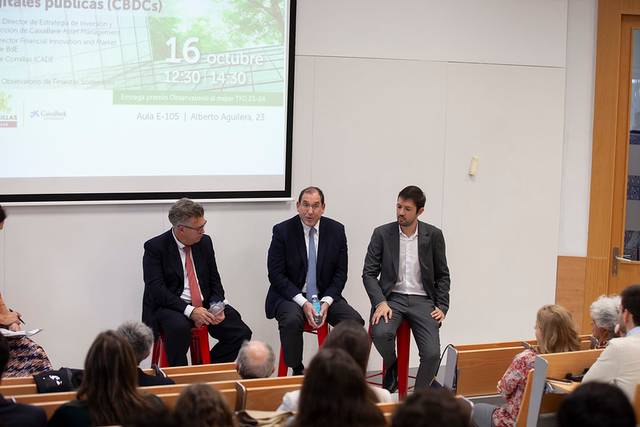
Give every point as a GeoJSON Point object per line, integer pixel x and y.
{"type": "Point", "coordinates": [406, 276]}
{"type": "Point", "coordinates": [296, 274]}
{"type": "Point", "coordinates": [181, 282]}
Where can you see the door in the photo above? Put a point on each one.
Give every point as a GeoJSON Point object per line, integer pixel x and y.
{"type": "Point", "coordinates": [625, 228]}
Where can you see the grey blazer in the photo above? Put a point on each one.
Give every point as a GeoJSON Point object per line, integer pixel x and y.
{"type": "Point", "coordinates": [380, 271]}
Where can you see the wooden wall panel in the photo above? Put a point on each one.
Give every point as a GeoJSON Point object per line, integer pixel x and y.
{"type": "Point", "coordinates": [570, 282]}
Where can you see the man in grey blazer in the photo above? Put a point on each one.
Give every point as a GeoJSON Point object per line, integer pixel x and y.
{"type": "Point", "coordinates": [406, 276]}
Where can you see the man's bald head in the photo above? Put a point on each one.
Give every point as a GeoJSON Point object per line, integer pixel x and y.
{"type": "Point", "coordinates": [255, 360]}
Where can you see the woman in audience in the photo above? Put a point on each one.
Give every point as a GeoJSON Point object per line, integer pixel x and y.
{"type": "Point", "coordinates": [596, 405]}
{"type": "Point", "coordinates": [555, 333]}
{"type": "Point", "coordinates": [605, 313]}
{"type": "Point", "coordinates": [27, 357]}
{"type": "Point", "coordinates": [200, 405]}
{"type": "Point", "coordinates": [335, 393]}
{"type": "Point", "coordinates": [351, 337]}
{"type": "Point", "coordinates": [108, 393]}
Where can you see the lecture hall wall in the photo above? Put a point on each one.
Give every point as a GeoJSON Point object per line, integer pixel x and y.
{"type": "Point", "coordinates": [387, 94]}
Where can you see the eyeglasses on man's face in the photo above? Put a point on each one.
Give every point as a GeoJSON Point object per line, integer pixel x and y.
{"type": "Point", "coordinates": [199, 229]}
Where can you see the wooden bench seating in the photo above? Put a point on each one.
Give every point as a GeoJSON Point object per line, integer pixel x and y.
{"type": "Point", "coordinates": [475, 369]}
{"type": "Point", "coordinates": [181, 375]}
{"type": "Point", "coordinates": [260, 394]}
{"type": "Point", "coordinates": [553, 366]}
{"type": "Point", "coordinates": [168, 371]}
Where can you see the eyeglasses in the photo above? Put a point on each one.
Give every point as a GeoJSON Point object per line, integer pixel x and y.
{"type": "Point", "coordinates": [198, 229]}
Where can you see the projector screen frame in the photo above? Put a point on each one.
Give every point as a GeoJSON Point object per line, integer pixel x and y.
{"type": "Point", "coordinates": [160, 197]}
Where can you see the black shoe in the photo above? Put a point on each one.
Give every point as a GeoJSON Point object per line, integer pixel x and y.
{"type": "Point", "coordinates": [390, 380]}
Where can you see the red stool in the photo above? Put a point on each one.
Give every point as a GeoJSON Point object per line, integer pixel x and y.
{"type": "Point", "coordinates": [321, 332]}
{"type": "Point", "coordinates": [403, 346]}
{"type": "Point", "coordinates": [199, 348]}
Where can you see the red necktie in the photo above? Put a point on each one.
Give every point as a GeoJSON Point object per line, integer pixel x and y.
{"type": "Point", "coordinates": [196, 298]}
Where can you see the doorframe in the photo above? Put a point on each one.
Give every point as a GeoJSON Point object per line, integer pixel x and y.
{"type": "Point", "coordinates": [603, 166]}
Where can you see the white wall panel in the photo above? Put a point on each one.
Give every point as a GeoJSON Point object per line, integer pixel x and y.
{"type": "Point", "coordinates": [502, 225]}
{"type": "Point", "coordinates": [576, 163]}
{"type": "Point", "coordinates": [492, 31]}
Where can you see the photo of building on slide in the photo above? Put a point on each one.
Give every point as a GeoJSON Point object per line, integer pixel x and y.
{"type": "Point", "coordinates": [190, 52]}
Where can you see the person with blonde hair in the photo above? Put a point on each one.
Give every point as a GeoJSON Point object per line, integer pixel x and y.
{"type": "Point", "coordinates": [555, 333]}
{"type": "Point", "coordinates": [200, 405]}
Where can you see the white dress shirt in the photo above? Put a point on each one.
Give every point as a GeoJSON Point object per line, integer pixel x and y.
{"type": "Point", "coordinates": [409, 274]}
{"type": "Point", "coordinates": [186, 293]}
{"type": "Point", "coordinates": [300, 299]}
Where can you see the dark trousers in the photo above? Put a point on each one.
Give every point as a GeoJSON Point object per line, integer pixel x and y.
{"type": "Point", "coordinates": [426, 331]}
{"type": "Point", "coordinates": [230, 333]}
{"type": "Point", "coordinates": [291, 320]}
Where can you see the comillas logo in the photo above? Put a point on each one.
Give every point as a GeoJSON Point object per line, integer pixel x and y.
{"type": "Point", "coordinates": [8, 119]}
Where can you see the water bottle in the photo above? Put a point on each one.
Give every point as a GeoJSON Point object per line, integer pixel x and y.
{"type": "Point", "coordinates": [315, 302]}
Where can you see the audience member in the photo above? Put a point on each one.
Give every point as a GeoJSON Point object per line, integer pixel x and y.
{"type": "Point", "coordinates": [596, 405]}
{"type": "Point", "coordinates": [108, 393]}
{"type": "Point", "coordinates": [605, 313]}
{"type": "Point", "coordinates": [432, 408]}
{"type": "Point", "coordinates": [335, 393]}
{"type": "Point", "coordinates": [351, 337]}
{"type": "Point", "coordinates": [27, 357]}
{"type": "Point", "coordinates": [255, 360]}
{"type": "Point", "coordinates": [619, 363]}
{"type": "Point", "coordinates": [200, 405]}
{"type": "Point", "coordinates": [555, 333]}
{"type": "Point", "coordinates": [17, 414]}
{"type": "Point", "coordinates": [140, 337]}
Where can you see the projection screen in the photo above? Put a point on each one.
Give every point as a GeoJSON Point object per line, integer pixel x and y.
{"type": "Point", "coordinates": [145, 99]}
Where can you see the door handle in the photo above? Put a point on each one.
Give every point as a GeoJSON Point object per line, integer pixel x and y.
{"type": "Point", "coordinates": [620, 259]}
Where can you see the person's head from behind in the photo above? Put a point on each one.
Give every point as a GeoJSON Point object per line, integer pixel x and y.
{"type": "Point", "coordinates": [630, 307]}
{"type": "Point", "coordinates": [200, 405]}
{"type": "Point", "coordinates": [596, 404]}
{"type": "Point", "coordinates": [3, 216]}
{"type": "Point", "coordinates": [110, 379]}
{"type": "Point", "coordinates": [351, 337]}
{"type": "Point", "coordinates": [605, 312]}
{"type": "Point", "coordinates": [255, 360]}
{"type": "Point", "coordinates": [334, 388]}
{"type": "Point", "coordinates": [187, 219]}
{"type": "Point", "coordinates": [432, 407]}
{"type": "Point", "coordinates": [410, 205]}
{"type": "Point", "coordinates": [310, 205]}
{"type": "Point", "coordinates": [139, 336]}
{"type": "Point", "coordinates": [555, 330]}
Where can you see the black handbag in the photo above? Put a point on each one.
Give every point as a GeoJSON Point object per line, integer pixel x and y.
{"type": "Point", "coordinates": [57, 380]}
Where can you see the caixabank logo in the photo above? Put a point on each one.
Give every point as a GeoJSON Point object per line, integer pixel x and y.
{"type": "Point", "coordinates": [8, 118]}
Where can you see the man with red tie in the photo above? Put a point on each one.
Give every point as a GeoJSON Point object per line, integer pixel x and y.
{"type": "Point", "coordinates": [181, 282]}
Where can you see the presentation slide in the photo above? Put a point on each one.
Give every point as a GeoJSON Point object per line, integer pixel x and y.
{"type": "Point", "coordinates": [143, 96]}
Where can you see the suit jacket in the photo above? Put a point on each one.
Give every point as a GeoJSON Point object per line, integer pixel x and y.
{"type": "Point", "coordinates": [287, 262]}
{"type": "Point", "coordinates": [619, 365]}
{"type": "Point", "coordinates": [164, 276]}
{"type": "Point", "coordinates": [380, 272]}
{"type": "Point", "coordinates": [145, 380]}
